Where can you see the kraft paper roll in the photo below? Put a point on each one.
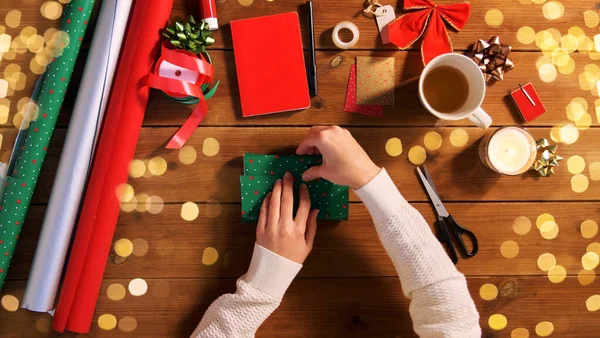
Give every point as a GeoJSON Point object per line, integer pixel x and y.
{"type": "Point", "coordinates": [77, 153]}
{"type": "Point", "coordinates": [116, 148]}
{"type": "Point", "coordinates": [21, 181]}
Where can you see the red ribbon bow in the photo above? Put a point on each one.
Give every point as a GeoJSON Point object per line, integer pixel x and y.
{"type": "Point", "coordinates": [428, 21]}
{"type": "Point", "coordinates": [175, 87]}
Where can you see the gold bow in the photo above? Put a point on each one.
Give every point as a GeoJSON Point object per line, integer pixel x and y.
{"type": "Point", "coordinates": [547, 158]}
{"type": "Point", "coordinates": [370, 6]}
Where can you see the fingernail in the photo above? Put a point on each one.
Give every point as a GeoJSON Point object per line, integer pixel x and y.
{"type": "Point", "coordinates": [287, 175]}
{"type": "Point", "coordinates": [306, 177]}
{"type": "Point", "coordinates": [278, 181]}
{"type": "Point", "coordinates": [303, 186]}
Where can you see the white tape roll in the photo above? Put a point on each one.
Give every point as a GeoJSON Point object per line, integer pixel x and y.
{"type": "Point", "coordinates": [336, 35]}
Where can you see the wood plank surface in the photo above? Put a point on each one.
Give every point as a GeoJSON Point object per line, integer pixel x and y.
{"type": "Point", "coordinates": [342, 249]}
{"type": "Point", "coordinates": [328, 307]}
{"type": "Point", "coordinates": [328, 107]}
{"type": "Point", "coordinates": [328, 14]}
{"type": "Point", "coordinates": [348, 286]}
{"type": "Point", "coordinates": [458, 172]}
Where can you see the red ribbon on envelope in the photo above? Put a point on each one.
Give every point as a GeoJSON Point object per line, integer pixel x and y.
{"type": "Point", "coordinates": [175, 87]}
{"type": "Point", "coordinates": [428, 21]}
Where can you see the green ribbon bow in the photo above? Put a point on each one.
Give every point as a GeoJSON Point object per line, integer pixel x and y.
{"type": "Point", "coordinates": [189, 35]}
{"type": "Point", "coordinates": [192, 37]}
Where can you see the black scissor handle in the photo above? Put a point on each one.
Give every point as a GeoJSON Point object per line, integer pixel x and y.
{"type": "Point", "coordinates": [459, 232]}
{"type": "Point", "coordinates": [445, 240]}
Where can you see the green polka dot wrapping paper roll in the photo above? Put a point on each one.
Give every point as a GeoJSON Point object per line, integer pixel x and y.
{"type": "Point", "coordinates": [261, 172]}
{"type": "Point", "coordinates": [20, 183]}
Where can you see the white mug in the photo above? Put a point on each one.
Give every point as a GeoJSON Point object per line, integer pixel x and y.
{"type": "Point", "coordinates": [472, 107]}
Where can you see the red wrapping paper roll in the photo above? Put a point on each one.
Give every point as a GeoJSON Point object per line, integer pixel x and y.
{"type": "Point", "coordinates": [116, 148]}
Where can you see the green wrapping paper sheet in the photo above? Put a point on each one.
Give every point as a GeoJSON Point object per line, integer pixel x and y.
{"type": "Point", "coordinates": [20, 184]}
{"type": "Point", "coordinates": [261, 172]}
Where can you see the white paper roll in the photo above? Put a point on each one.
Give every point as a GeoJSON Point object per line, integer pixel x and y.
{"type": "Point", "coordinates": [77, 154]}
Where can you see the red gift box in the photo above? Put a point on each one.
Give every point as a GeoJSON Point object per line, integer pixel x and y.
{"type": "Point", "coordinates": [528, 102]}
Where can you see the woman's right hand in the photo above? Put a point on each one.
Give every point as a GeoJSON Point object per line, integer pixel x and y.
{"type": "Point", "coordinates": [344, 160]}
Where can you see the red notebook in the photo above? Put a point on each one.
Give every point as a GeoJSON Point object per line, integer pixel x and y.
{"type": "Point", "coordinates": [269, 60]}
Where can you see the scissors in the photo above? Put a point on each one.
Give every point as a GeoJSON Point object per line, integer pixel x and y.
{"type": "Point", "coordinates": [445, 222]}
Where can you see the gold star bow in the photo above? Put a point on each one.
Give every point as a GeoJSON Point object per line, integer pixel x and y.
{"type": "Point", "coordinates": [547, 158]}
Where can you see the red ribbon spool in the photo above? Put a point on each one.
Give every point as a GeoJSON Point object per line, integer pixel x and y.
{"type": "Point", "coordinates": [179, 88]}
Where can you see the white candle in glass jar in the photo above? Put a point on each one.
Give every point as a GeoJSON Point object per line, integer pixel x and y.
{"type": "Point", "coordinates": [509, 151]}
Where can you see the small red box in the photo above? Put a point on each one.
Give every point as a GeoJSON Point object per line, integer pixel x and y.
{"type": "Point", "coordinates": [528, 102]}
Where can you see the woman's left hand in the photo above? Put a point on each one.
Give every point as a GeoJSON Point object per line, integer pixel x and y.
{"type": "Point", "coordinates": [277, 228]}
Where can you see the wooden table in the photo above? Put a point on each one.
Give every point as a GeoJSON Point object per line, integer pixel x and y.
{"type": "Point", "coordinates": [348, 286]}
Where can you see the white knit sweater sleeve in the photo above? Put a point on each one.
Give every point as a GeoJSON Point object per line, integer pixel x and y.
{"type": "Point", "coordinates": [258, 294]}
{"type": "Point", "coordinates": [441, 305]}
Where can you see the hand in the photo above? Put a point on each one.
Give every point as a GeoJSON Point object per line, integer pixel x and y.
{"type": "Point", "coordinates": [277, 229]}
{"type": "Point", "coordinates": [344, 160]}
